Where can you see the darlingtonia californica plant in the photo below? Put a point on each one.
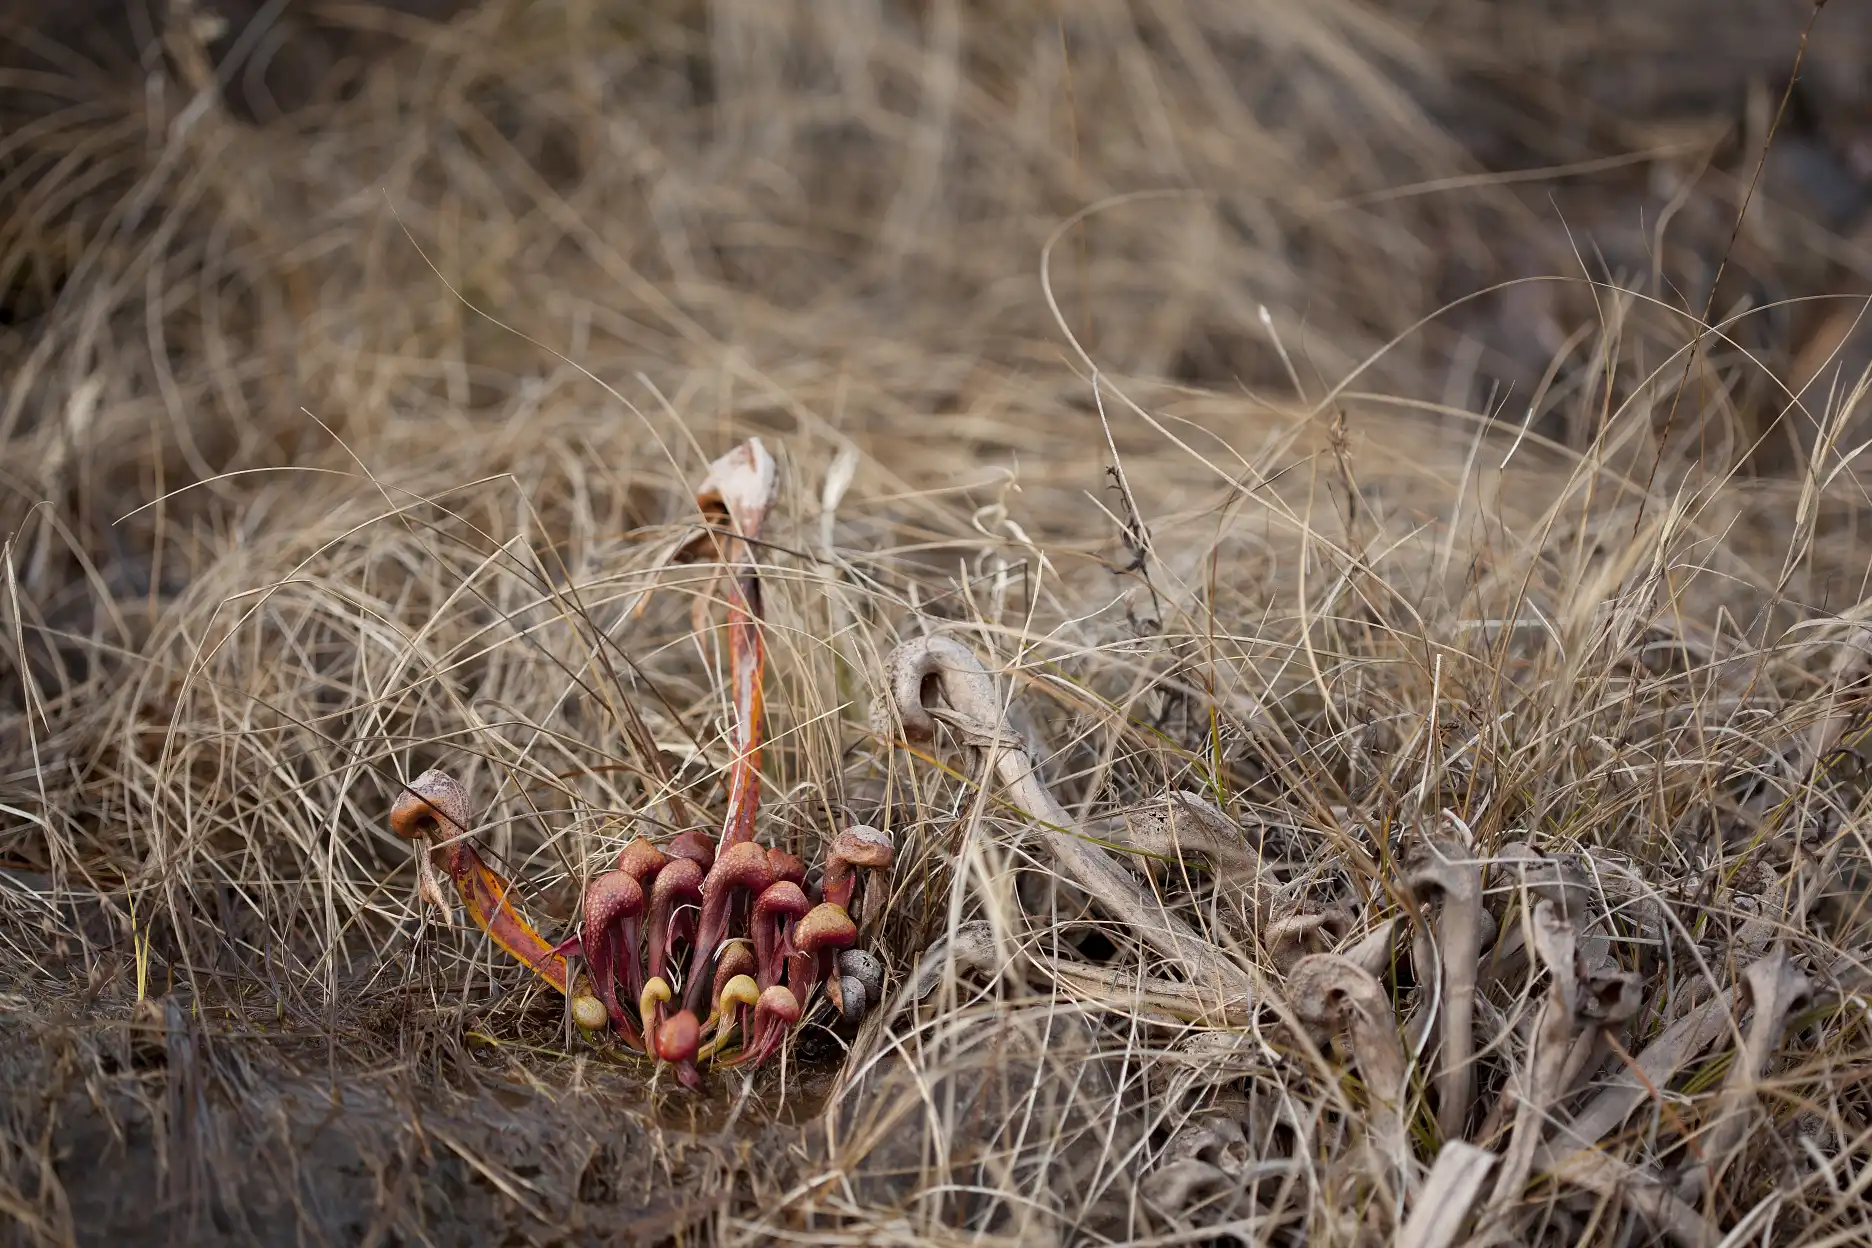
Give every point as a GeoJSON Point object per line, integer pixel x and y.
{"type": "Point", "coordinates": [705, 948]}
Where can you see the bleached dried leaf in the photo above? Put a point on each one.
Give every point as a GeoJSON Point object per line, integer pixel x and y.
{"type": "Point", "coordinates": [744, 482]}
{"type": "Point", "coordinates": [1182, 824]}
{"type": "Point", "coordinates": [1373, 951]}
{"type": "Point", "coordinates": [1548, 877]}
{"type": "Point", "coordinates": [926, 669]}
{"type": "Point", "coordinates": [1126, 989]}
{"type": "Point", "coordinates": [1173, 1188]}
{"type": "Point", "coordinates": [1329, 991]}
{"type": "Point", "coordinates": [1448, 873]}
{"type": "Point", "coordinates": [1660, 1061]}
{"type": "Point", "coordinates": [1303, 933]}
{"type": "Point", "coordinates": [1645, 1193]}
{"type": "Point", "coordinates": [1438, 1213]}
{"type": "Point", "coordinates": [1591, 996]}
{"type": "Point", "coordinates": [1578, 999]}
{"type": "Point", "coordinates": [1775, 985]}
{"type": "Point", "coordinates": [970, 948]}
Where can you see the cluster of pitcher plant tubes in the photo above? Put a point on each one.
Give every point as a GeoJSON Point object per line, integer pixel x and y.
{"type": "Point", "coordinates": [702, 948]}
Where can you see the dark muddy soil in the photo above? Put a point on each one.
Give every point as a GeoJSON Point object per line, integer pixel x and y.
{"type": "Point", "coordinates": [162, 1129]}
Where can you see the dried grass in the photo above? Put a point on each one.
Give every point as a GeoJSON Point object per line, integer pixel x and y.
{"type": "Point", "coordinates": [292, 513]}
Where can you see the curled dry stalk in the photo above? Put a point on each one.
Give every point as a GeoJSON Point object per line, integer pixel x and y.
{"type": "Point", "coordinates": [1454, 1183]}
{"type": "Point", "coordinates": [1183, 824]}
{"type": "Point", "coordinates": [435, 815]}
{"type": "Point", "coordinates": [971, 947]}
{"type": "Point", "coordinates": [1572, 1154]}
{"type": "Point", "coordinates": [1580, 999]}
{"type": "Point", "coordinates": [1660, 1061]}
{"type": "Point", "coordinates": [1775, 985]}
{"type": "Point", "coordinates": [1448, 873]}
{"type": "Point", "coordinates": [938, 679]}
{"type": "Point", "coordinates": [1330, 991]}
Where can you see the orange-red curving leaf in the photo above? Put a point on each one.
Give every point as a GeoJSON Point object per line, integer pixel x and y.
{"type": "Point", "coordinates": [485, 894]}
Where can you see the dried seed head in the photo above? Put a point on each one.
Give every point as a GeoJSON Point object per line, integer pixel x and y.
{"type": "Point", "coordinates": [1328, 990]}
{"type": "Point", "coordinates": [1184, 824]}
{"type": "Point", "coordinates": [921, 671]}
{"type": "Point", "coordinates": [1591, 996]}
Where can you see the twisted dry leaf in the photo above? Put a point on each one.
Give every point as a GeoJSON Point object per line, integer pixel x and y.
{"type": "Point", "coordinates": [1372, 952]}
{"type": "Point", "coordinates": [1775, 985]}
{"type": "Point", "coordinates": [1660, 1061]}
{"type": "Point", "coordinates": [1181, 826]}
{"type": "Point", "coordinates": [928, 672]}
{"type": "Point", "coordinates": [1608, 1177]}
{"type": "Point", "coordinates": [1187, 823]}
{"type": "Point", "coordinates": [1304, 932]}
{"type": "Point", "coordinates": [1455, 1181]}
{"type": "Point", "coordinates": [1449, 874]}
{"type": "Point", "coordinates": [1329, 991]}
{"type": "Point", "coordinates": [1208, 1155]}
{"type": "Point", "coordinates": [1132, 991]}
{"type": "Point", "coordinates": [1579, 999]}
{"type": "Point", "coordinates": [971, 947]}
